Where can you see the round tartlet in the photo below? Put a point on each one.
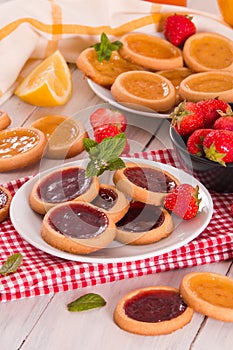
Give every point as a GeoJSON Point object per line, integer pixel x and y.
{"type": "Point", "coordinates": [5, 120]}
{"type": "Point", "coordinates": [144, 224]}
{"type": "Point", "coordinates": [65, 135]}
{"type": "Point", "coordinates": [105, 72]}
{"type": "Point", "coordinates": [150, 51]}
{"type": "Point", "coordinates": [209, 293]}
{"type": "Point", "coordinates": [208, 51]}
{"type": "Point", "coordinates": [144, 183]}
{"type": "Point", "coordinates": [111, 200]}
{"type": "Point", "coordinates": [152, 310]}
{"type": "Point", "coordinates": [5, 201]}
{"type": "Point", "coordinates": [20, 147]}
{"type": "Point", "coordinates": [62, 185]}
{"type": "Point", "coordinates": [144, 90]}
{"type": "Point", "coordinates": [207, 85]}
{"type": "Point", "coordinates": [77, 228]}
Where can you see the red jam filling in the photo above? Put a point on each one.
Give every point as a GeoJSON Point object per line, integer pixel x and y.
{"type": "Point", "coordinates": [64, 185]}
{"type": "Point", "coordinates": [105, 199]}
{"type": "Point", "coordinates": [3, 199]}
{"type": "Point", "coordinates": [78, 221]}
{"type": "Point", "coordinates": [141, 217]}
{"type": "Point", "coordinates": [150, 179]}
{"type": "Point", "coordinates": [155, 306]}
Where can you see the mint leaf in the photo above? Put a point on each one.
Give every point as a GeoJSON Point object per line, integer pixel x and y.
{"type": "Point", "coordinates": [105, 47]}
{"type": "Point", "coordinates": [86, 302]}
{"type": "Point", "coordinates": [11, 264]}
{"type": "Point", "coordinates": [88, 144]}
{"type": "Point", "coordinates": [105, 155]}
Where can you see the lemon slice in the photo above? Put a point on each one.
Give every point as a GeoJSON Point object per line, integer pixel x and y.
{"type": "Point", "coordinates": [65, 135]}
{"type": "Point", "coordinates": [49, 84]}
{"type": "Point", "coordinates": [209, 293]}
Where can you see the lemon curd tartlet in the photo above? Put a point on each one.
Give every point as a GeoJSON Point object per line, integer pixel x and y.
{"type": "Point", "coordinates": [65, 135]}
{"type": "Point", "coordinates": [207, 51]}
{"type": "Point", "coordinates": [206, 85]}
{"type": "Point", "coordinates": [150, 51]}
{"type": "Point", "coordinates": [20, 147]}
{"type": "Point", "coordinates": [209, 293]}
{"type": "Point", "coordinates": [144, 90]}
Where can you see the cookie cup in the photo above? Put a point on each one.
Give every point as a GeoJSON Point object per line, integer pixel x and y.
{"type": "Point", "coordinates": [139, 193]}
{"type": "Point", "coordinates": [66, 242]}
{"type": "Point", "coordinates": [149, 328]}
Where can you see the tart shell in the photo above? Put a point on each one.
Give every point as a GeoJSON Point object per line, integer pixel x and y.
{"type": "Point", "coordinates": [4, 207]}
{"type": "Point", "coordinates": [5, 120]}
{"type": "Point", "coordinates": [149, 328]}
{"type": "Point", "coordinates": [144, 89]}
{"type": "Point", "coordinates": [150, 51]}
{"type": "Point", "coordinates": [65, 136]}
{"type": "Point", "coordinates": [120, 208]}
{"type": "Point", "coordinates": [147, 237]}
{"type": "Point", "coordinates": [74, 245]}
{"type": "Point", "coordinates": [138, 193]}
{"type": "Point", "coordinates": [210, 294]}
{"type": "Point", "coordinates": [41, 207]}
{"type": "Point", "coordinates": [21, 156]}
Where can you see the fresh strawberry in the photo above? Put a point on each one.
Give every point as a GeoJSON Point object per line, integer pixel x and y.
{"type": "Point", "coordinates": [210, 109]}
{"type": "Point", "coordinates": [178, 28]}
{"type": "Point", "coordinates": [183, 201]}
{"type": "Point", "coordinates": [218, 146]}
{"type": "Point", "coordinates": [195, 142]}
{"type": "Point", "coordinates": [105, 131]}
{"type": "Point", "coordinates": [186, 118]}
{"type": "Point", "coordinates": [224, 123]}
{"type": "Point", "coordinates": [106, 116]}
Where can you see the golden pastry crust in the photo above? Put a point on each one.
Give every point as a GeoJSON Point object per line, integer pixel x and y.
{"type": "Point", "coordinates": [121, 206]}
{"type": "Point", "coordinates": [103, 73]}
{"type": "Point", "coordinates": [209, 293]}
{"type": "Point", "coordinates": [150, 51]}
{"type": "Point", "coordinates": [5, 120]}
{"type": "Point", "coordinates": [142, 194]}
{"type": "Point", "coordinates": [65, 136]}
{"type": "Point", "coordinates": [207, 85]}
{"type": "Point", "coordinates": [208, 51]}
{"type": "Point", "coordinates": [150, 328]}
{"type": "Point", "coordinates": [29, 145]}
{"type": "Point", "coordinates": [41, 207]}
{"type": "Point", "coordinates": [5, 201]}
{"type": "Point", "coordinates": [144, 90]}
{"type": "Point", "coordinates": [77, 245]}
{"type": "Point", "coordinates": [147, 237]}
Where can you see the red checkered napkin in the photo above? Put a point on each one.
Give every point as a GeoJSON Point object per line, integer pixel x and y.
{"type": "Point", "coordinates": [41, 273]}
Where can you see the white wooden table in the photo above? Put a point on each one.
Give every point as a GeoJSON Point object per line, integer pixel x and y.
{"type": "Point", "coordinates": [44, 322]}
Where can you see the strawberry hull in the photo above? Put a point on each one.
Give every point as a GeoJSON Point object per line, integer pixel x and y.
{"type": "Point", "coordinates": [213, 175]}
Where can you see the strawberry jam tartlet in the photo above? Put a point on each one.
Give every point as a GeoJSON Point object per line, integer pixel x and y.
{"type": "Point", "coordinates": [5, 201]}
{"type": "Point", "coordinates": [111, 200]}
{"type": "Point", "coordinates": [62, 185]}
{"type": "Point", "coordinates": [144, 183]}
{"type": "Point", "coordinates": [144, 224]}
{"type": "Point", "coordinates": [153, 310]}
{"type": "Point", "coordinates": [77, 228]}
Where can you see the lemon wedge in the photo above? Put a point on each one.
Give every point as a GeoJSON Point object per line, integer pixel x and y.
{"type": "Point", "coordinates": [49, 84]}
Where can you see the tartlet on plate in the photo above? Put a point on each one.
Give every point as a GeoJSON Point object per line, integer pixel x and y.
{"type": "Point", "coordinates": [5, 201]}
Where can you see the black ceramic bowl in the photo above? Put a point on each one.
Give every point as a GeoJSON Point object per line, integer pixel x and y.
{"type": "Point", "coordinates": [214, 176]}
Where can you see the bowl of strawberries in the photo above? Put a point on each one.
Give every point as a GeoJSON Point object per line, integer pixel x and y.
{"type": "Point", "coordinates": [202, 137]}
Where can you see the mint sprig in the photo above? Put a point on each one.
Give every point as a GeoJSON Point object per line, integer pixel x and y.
{"type": "Point", "coordinates": [11, 264]}
{"type": "Point", "coordinates": [86, 302]}
{"type": "Point", "coordinates": [104, 155]}
{"type": "Point", "coordinates": [105, 47]}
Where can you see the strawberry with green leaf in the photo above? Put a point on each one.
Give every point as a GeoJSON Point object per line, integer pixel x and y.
{"type": "Point", "coordinates": [178, 28]}
{"type": "Point", "coordinates": [183, 201]}
{"type": "Point", "coordinates": [218, 146]}
{"type": "Point", "coordinates": [212, 109]}
{"type": "Point", "coordinates": [195, 142]}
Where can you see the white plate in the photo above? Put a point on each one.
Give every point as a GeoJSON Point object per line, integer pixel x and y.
{"type": "Point", "coordinates": [28, 223]}
{"type": "Point", "coordinates": [204, 23]}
